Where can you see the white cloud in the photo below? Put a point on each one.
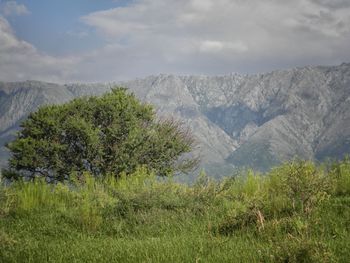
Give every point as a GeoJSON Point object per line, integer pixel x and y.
{"type": "Point", "coordinates": [13, 8]}
{"type": "Point", "coordinates": [209, 46]}
{"type": "Point", "coordinates": [20, 60]}
{"type": "Point", "coordinates": [193, 37]}
{"type": "Point", "coordinates": [239, 35]}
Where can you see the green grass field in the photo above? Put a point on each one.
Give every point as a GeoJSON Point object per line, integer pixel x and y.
{"type": "Point", "coordinates": [296, 213]}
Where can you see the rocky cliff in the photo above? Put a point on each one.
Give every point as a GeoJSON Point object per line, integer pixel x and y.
{"type": "Point", "coordinates": [239, 120]}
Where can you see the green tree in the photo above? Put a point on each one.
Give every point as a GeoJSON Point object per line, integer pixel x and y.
{"type": "Point", "coordinates": [104, 135]}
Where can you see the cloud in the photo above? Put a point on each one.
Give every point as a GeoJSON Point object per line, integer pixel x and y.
{"type": "Point", "coordinates": [209, 46]}
{"type": "Point", "coordinates": [333, 4]}
{"type": "Point", "coordinates": [192, 37]}
{"type": "Point", "coordinates": [202, 5]}
{"type": "Point", "coordinates": [230, 35]}
{"type": "Point", "coordinates": [20, 60]}
{"type": "Point", "coordinates": [13, 8]}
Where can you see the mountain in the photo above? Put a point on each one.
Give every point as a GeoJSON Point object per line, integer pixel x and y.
{"type": "Point", "coordinates": [239, 120]}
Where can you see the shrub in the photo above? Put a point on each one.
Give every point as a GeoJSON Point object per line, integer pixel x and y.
{"type": "Point", "coordinates": [340, 173]}
{"type": "Point", "coordinates": [299, 186]}
{"type": "Point", "coordinates": [291, 189]}
{"type": "Point", "coordinates": [300, 250]}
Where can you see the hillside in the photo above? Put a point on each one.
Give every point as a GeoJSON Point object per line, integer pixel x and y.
{"type": "Point", "coordinates": [239, 120]}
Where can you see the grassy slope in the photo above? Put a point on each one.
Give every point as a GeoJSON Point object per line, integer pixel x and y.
{"type": "Point", "coordinates": [296, 213]}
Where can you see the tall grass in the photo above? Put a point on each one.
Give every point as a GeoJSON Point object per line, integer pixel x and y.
{"type": "Point", "coordinates": [298, 212]}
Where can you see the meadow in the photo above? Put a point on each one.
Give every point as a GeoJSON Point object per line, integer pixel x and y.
{"type": "Point", "coordinates": [297, 212]}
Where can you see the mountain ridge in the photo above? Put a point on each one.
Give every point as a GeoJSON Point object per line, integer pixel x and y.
{"type": "Point", "coordinates": [239, 120]}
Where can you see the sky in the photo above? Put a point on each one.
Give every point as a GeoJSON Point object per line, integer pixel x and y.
{"type": "Point", "coordinates": [110, 40]}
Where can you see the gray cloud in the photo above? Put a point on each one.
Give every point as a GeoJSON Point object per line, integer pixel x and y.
{"type": "Point", "coordinates": [19, 60]}
{"type": "Point", "coordinates": [9, 8]}
{"type": "Point", "coordinates": [193, 37]}
{"type": "Point", "coordinates": [230, 34]}
{"type": "Point", "coordinates": [333, 4]}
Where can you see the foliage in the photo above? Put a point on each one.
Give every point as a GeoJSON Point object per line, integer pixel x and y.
{"type": "Point", "coordinates": [293, 188]}
{"type": "Point", "coordinates": [340, 171]}
{"type": "Point", "coordinates": [139, 218]}
{"type": "Point", "coordinates": [300, 250]}
{"type": "Point", "coordinates": [104, 135]}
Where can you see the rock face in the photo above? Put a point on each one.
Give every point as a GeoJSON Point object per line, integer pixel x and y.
{"type": "Point", "coordinates": [238, 120]}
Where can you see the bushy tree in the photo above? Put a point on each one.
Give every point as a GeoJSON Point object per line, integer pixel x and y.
{"type": "Point", "coordinates": [104, 135]}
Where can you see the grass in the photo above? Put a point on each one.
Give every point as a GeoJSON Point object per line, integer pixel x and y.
{"type": "Point", "coordinates": [298, 212]}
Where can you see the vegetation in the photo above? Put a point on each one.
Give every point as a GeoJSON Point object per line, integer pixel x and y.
{"type": "Point", "coordinates": [105, 135]}
{"type": "Point", "coordinates": [108, 199]}
{"type": "Point", "coordinates": [298, 212]}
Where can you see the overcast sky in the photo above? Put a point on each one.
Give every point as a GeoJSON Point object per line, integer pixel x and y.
{"type": "Point", "coordinates": [106, 40]}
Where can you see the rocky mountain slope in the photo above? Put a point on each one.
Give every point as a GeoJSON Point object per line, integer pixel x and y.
{"type": "Point", "coordinates": [239, 120]}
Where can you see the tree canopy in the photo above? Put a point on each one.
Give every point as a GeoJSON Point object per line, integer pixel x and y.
{"type": "Point", "coordinates": [104, 135]}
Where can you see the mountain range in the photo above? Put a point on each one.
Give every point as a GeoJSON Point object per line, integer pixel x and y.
{"type": "Point", "coordinates": [256, 120]}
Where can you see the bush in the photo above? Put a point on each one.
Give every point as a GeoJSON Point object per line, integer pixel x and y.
{"type": "Point", "coordinates": [300, 182]}
{"type": "Point", "coordinates": [300, 250]}
{"type": "Point", "coordinates": [104, 135]}
{"type": "Point", "coordinates": [340, 173]}
{"type": "Point", "coordinates": [294, 188]}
